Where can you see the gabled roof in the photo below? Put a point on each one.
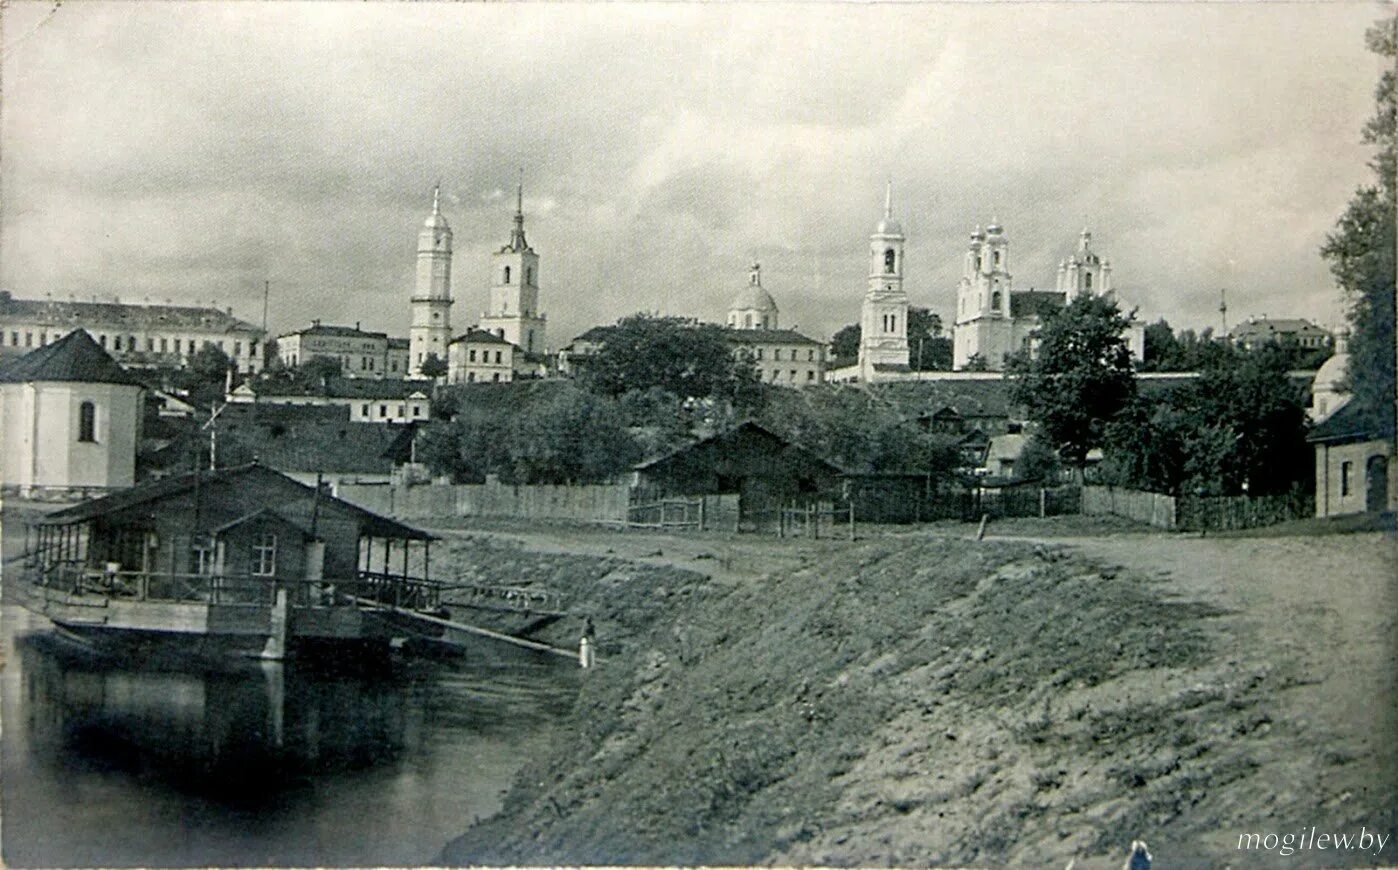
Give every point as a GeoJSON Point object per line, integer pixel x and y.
{"type": "Point", "coordinates": [1035, 303]}
{"type": "Point", "coordinates": [252, 477]}
{"type": "Point", "coordinates": [349, 388]}
{"type": "Point", "coordinates": [73, 358]}
{"type": "Point", "coordinates": [252, 515]}
{"type": "Point", "coordinates": [479, 336]}
{"type": "Point", "coordinates": [1275, 326]}
{"type": "Point", "coordinates": [729, 433]}
{"type": "Point", "coordinates": [305, 443]}
{"type": "Point", "coordinates": [1353, 422]}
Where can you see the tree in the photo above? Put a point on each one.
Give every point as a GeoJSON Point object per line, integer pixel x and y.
{"type": "Point", "coordinates": [1162, 350]}
{"type": "Point", "coordinates": [1080, 378]}
{"type": "Point", "coordinates": [1239, 428]}
{"type": "Point", "coordinates": [1038, 461]}
{"type": "Point", "coordinates": [687, 359]}
{"type": "Point", "coordinates": [433, 366]}
{"type": "Point", "coordinates": [928, 349]}
{"type": "Point", "coordinates": [1361, 250]}
{"type": "Point", "coordinates": [977, 363]}
{"type": "Point", "coordinates": [844, 345]}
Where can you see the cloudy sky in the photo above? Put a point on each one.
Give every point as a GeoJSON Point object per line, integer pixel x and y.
{"type": "Point", "coordinates": [192, 151]}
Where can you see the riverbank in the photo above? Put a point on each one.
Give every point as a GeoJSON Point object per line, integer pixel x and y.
{"type": "Point", "coordinates": [927, 699]}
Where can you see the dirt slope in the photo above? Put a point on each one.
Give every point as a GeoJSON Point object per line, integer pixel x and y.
{"type": "Point", "coordinates": [923, 700]}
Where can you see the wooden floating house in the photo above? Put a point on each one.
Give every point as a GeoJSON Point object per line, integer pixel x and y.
{"type": "Point", "coordinates": [241, 558]}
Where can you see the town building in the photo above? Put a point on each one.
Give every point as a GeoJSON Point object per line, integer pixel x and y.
{"type": "Point", "coordinates": [573, 358]}
{"type": "Point", "coordinates": [779, 356]}
{"type": "Point", "coordinates": [1256, 332]}
{"type": "Point", "coordinates": [883, 320]}
{"type": "Point", "coordinates": [70, 419]}
{"type": "Point", "coordinates": [995, 321]}
{"type": "Point", "coordinates": [136, 336]}
{"type": "Point", "coordinates": [478, 356]}
{"type": "Point", "coordinates": [361, 354]}
{"type": "Point", "coordinates": [514, 313]}
{"type": "Point", "coordinates": [430, 332]}
{"type": "Point", "coordinates": [368, 400]}
{"type": "Point", "coordinates": [1353, 468]}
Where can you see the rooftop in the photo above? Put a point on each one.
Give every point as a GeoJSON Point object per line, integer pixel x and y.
{"type": "Point", "coordinates": [337, 331]}
{"type": "Point", "coordinates": [768, 336]}
{"type": "Point", "coordinates": [121, 315]}
{"type": "Point", "coordinates": [479, 336]}
{"type": "Point", "coordinates": [75, 358]}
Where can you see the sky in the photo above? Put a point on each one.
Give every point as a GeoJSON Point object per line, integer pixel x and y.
{"type": "Point", "coordinates": [193, 151]}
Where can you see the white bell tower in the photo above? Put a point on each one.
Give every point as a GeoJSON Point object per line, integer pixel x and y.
{"type": "Point", "coordinates": [430, 332]}
{"type": "Point", "coordinates": [883, 322]}
{"type": "Point", "coordinates": [514, 290]}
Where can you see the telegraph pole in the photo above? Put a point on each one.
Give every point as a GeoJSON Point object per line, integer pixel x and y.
{"type": "Point", "coordinates": [1223, 309]}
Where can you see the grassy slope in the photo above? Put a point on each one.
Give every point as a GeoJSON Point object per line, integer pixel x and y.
{"type": "Point", "coordinates": [900, 701]}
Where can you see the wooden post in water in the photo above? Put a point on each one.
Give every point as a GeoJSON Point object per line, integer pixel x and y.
{"type": "Point", "coordinates": [980, 532]}
{"type": "Point", "coordinates": [851, 519]}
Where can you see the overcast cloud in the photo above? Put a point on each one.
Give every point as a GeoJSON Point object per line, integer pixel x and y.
{"type": "Point", "coordinates": [191, 151]}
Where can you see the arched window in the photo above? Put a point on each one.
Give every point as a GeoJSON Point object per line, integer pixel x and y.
{"type": "Point", "coordinates": [978, 262]}
{"type": "Point", "coordinates": [87, 422]}
{"type": "Point", "coordinates": [529, 276]}
{"type": "Point", "coordinates": [997, 258]}
{"type": "Point", "coordinates": [888, 260]}
{"type": "Point", "coordinates": [507, 274]}
{"type": "Point", "coordinates": [1087, 281]}
{"type": "Point", "coordinates": [995, 301]}
{"type": "Point", "coordinates": [747, 321]}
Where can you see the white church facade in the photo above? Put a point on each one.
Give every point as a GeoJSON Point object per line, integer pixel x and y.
{"type": "Point", "coordinates": [994, 320]}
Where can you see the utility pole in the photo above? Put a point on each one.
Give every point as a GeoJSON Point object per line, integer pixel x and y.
{"type": "Point", "coordinates": [266, 292]}
{"type": "Point", "coordinates": [1223, 309]}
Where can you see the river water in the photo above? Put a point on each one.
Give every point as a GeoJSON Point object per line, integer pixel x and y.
{"type": "Point", "coordinates": [257, 764]}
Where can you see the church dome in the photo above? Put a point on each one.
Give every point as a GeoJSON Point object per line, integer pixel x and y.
{"type": "Point", "coordinates": [436, 221]}
{"type": "Point", "coordinates": [889, 227]}
{"type": "Point", "coordinates": [1327, 390]}
{"type": "Point", "coordinates": [753, 297]}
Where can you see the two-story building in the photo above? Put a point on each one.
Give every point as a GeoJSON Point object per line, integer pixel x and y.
{"type": "Point", "coordinates": [780, 356]}
{"type": "Point", "coordinates": [136, 336]}
{"type": "Point", "coordinates": [477, 356]}
{"type": "Point", "coordinates": [360, 353]}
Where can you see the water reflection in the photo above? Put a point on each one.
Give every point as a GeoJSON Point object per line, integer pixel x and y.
{"type": "Point", "coordinates": [254, 763]}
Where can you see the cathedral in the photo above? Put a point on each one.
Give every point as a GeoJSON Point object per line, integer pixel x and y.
{"type": "Point", "coordinates": [993, 320]}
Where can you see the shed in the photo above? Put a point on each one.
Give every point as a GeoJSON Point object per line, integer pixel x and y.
{"type": "Point", "coordinates": [763, 468]}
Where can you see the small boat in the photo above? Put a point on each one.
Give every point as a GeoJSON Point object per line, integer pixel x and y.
{"type": "Point", "coordinates": [242, 559]}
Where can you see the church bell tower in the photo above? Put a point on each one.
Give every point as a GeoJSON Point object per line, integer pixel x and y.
{"type": "Point", "coordinates": [883, 321]}
{"type": "Point", "coordinates": [514, 290]}
{"type": "Point", "coordinates": [430, 332]}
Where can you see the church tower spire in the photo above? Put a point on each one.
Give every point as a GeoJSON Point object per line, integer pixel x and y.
{"type": "Point", "coordinates": [430, 332]}
{"type": "Point", "coordinates": [514, 288]}
{"type": "Point", "coordinates": [883, 321]}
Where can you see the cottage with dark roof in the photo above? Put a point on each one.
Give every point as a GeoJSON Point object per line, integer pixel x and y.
{"type": "Point", "coordinates": [71, 419]}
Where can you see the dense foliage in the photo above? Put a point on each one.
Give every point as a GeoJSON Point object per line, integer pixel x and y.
{"type": "Point", "coordinates": [1239, 428]}
{"type": "Point", "coordinates": [1361, 249]}
{"type": "Point", "coordinates": [691, 360]}
{"type": "Point", "coordinates": [1079, 378]}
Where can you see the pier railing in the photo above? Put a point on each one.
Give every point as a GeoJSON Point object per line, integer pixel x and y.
{"type": "Point", "coordinates": [408, 592]}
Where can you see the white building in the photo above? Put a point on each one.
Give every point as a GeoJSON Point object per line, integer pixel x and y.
{"type": "Point", "coordinates": [430, 332]}
{"type": "Point", "coordinates": [70, 419]}
{"type": "Point", "coordinates": [779, 356]}
{"type": "Point", "coordinates": [361, 354]}
{"type": "Point", "coordinates": [478, 356]}
{"type": "Point", "coordinates": [883, 320]}
{"type": "Point", "coordinates": [514, 292]}
{"type": "Point", "coordinates": [994, 321]}
{"type": "Point", "coordinates": [136, 336]}
{"type": "Point", "coordinates": [368, 401]}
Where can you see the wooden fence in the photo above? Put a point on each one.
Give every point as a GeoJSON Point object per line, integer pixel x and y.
{"type": "Point", "coordinates": [1196, 513]}
{"type": "Point", "coordinates": [684, 513]}
{"type": "Point", "coordinates": [900, 499]}
{"type": "Point", "coordinates": [597, 503]}
{"type": "Point", "coordinates": [1151, 508]}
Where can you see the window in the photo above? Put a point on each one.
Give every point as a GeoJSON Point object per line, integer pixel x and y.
{"type": "Point", "coordinates": [764, 321]}
{"type": "Point", "coordinates": [364, 410]}
{"type": "Point", "coordinates": [978, 262]}
{"type": "Point", "coordinates": [470, 377]}
{"type": "Point", "coordinates": [101, 339]}
{"type": "Point", "coordinates": [810, 355]}
{"type": "Point", "coordinates": [264, 555]}
{"type": "Point", "coordinates": [1087, 281]}
{"type": "Point", "coordinates": [747, 321]}
{"type": "Point", "coordinates": [150, 343]}
{"type": "Point", "coordinates": [777, 354]}
{"type": "Point", "coordinates": [87, 422]}
{"type": "Point", "coordinates": [997, 258]}
{"type": "Point", "coordinates": [400, 410]}
{"type": "Point", "coordinates": [252, 348]}
{"type": "Point", "coordinates": [810, 374]}
{"type": "Point", "coordinates": [497, 356]}
{"type": "Point", "coordinates": [471, 355]}
{"type": "Point", "coordinates": [889, 257]}
{"type": "Point", "coordinates": [1346, 473]}
{"type": "Point", "coordinates": [995, 300]}
{"type": "Point", "coordinates": [495, 377]}
{"type": "Point", "coordinates": [14, 339]}
{"type": "Point", "coordinates": [529, 276]}
{"type": "Point", "coordinates": [383, 410]}
{"type": "Point", "coordinates": [759, 353]}
{"type": "Point", "coordinates": [417, 410]}
{"type": "Point", "coordinates": [507, 274]}
{"type": "Point", "coordinates": [164, 345]}
{"type": "Point", "coordinates": [892, 323]}
{"type": "Point", "coordinates": [793, 376]}
{"type": "Point", "coordinates": [201, 555]}
{"type": "Point", "coordinates": [237, 347]}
